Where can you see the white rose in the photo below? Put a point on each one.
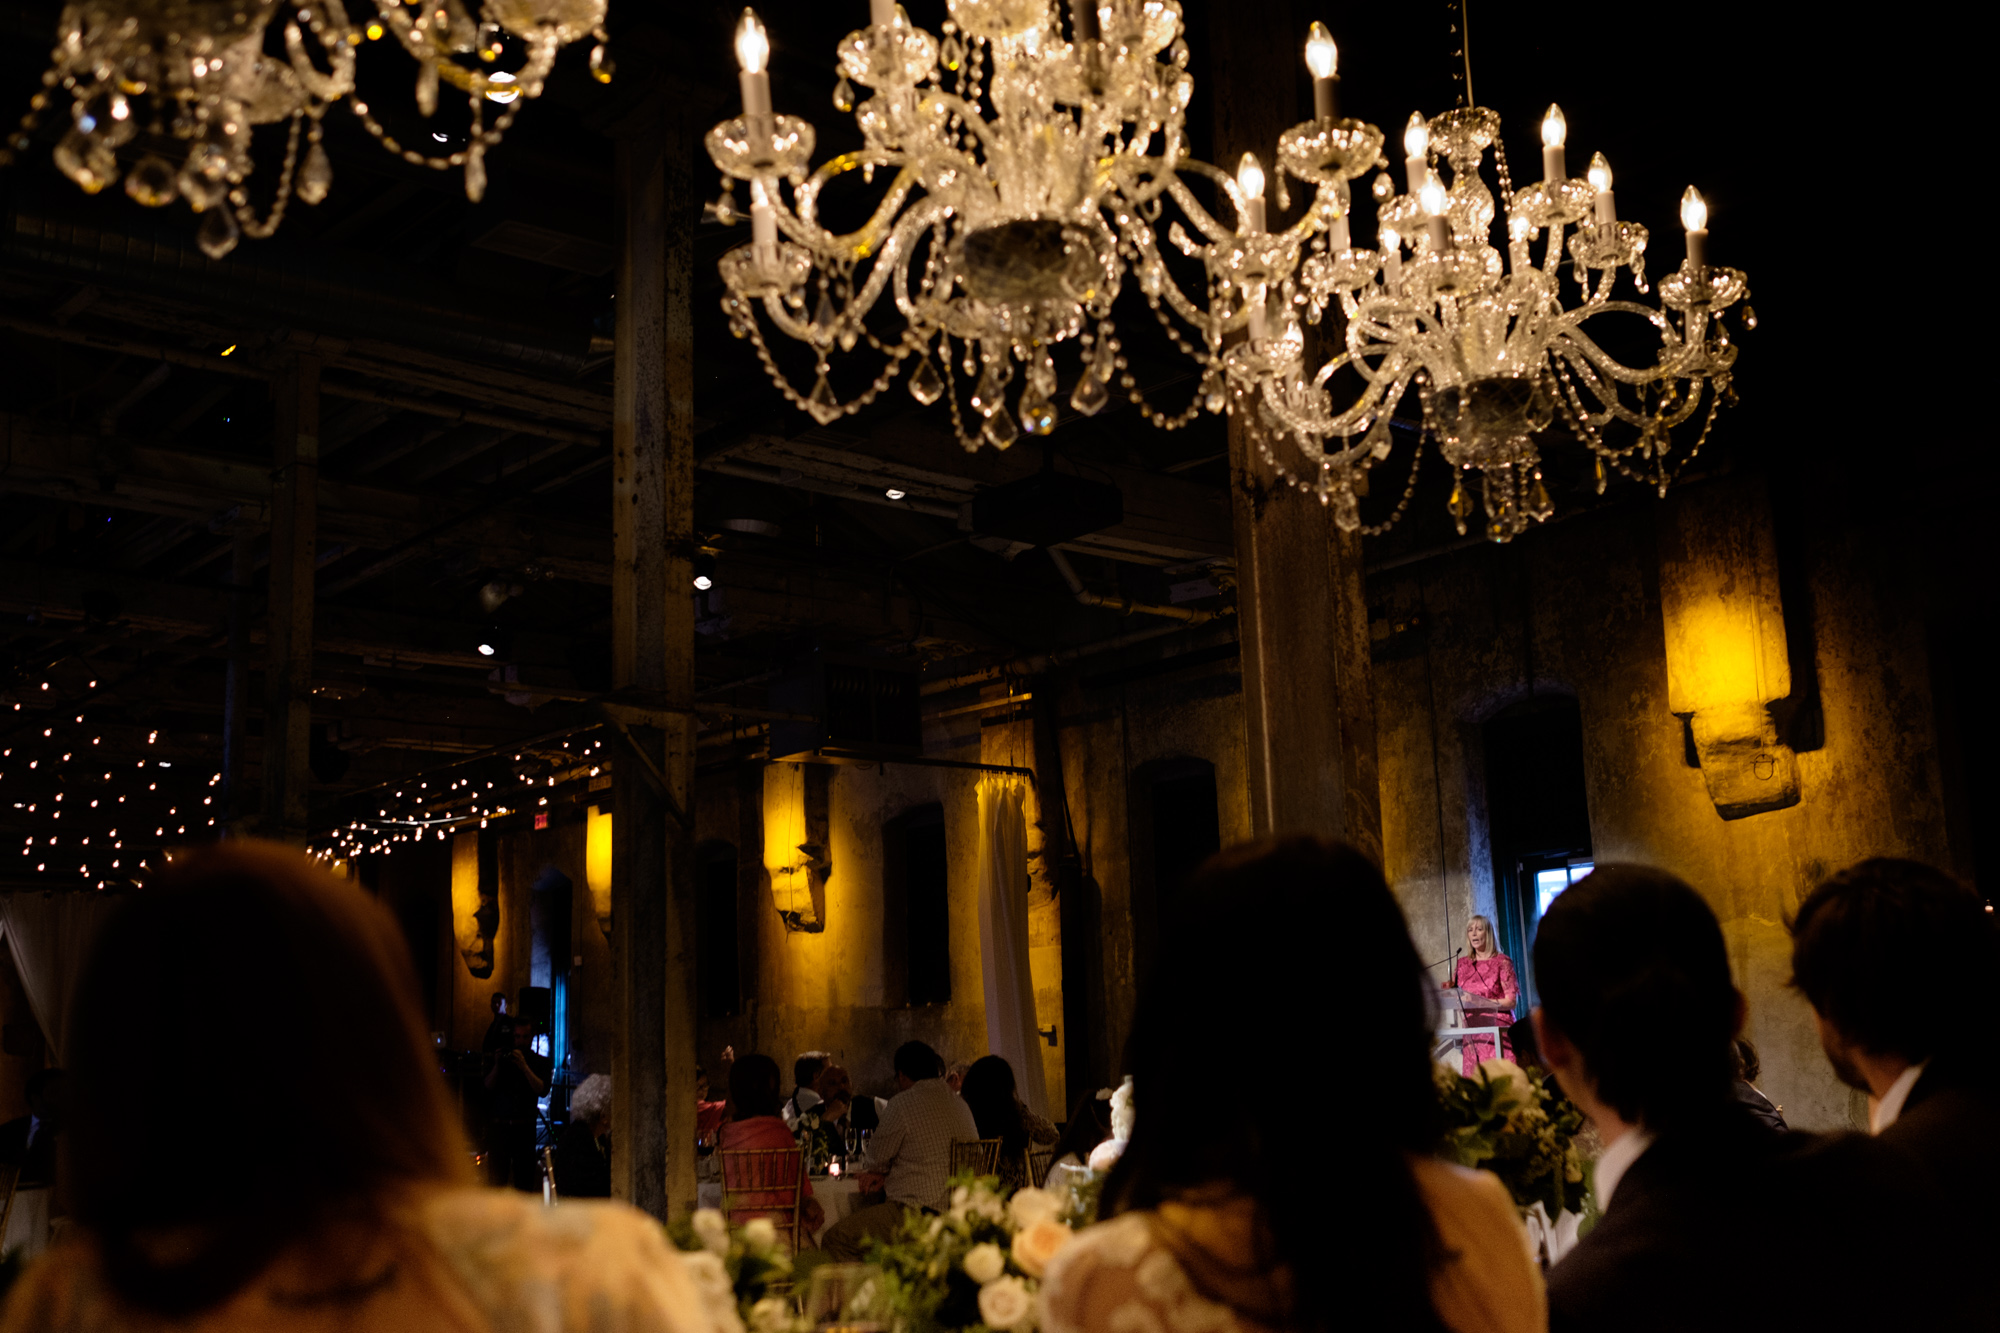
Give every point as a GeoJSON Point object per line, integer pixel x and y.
{"type": "Point", "coordinates": [1123, 1113]}
{"type": "Point", "coordinates": [711, 1230]}
{"type": "Point", "coordinates": [760, 1232]}
{"type": "Point", "coordinates": [773, 1314]}
{"type": "Point", "coordinates": [983, 1263]}
{"type": "Point", "coordinates": [1034, 1246]}
{"type": "Point", "coordinates": [1005, 1303]}
{"type": "Point", "coordinates": [1106, 1154]}
{"type": "Point", "coordinates": [1502, 1068]}
{"type": "Point", "coordinates": [1029, 1206]}
{"type": "Point", "coordinates": [961, 1198]}
{"type": "Point", "coordinates": [711, 1279]}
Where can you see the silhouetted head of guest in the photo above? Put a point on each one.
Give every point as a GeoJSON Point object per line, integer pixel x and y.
{"type": "Point", "coordinates": [307, 983]}
{"type": "Point", "coordinates": [805, 1069]}
{"type": "Point", "coordinates": [834, 1084]}
{"type": "Point", "coordinates": [1638, 1008]}
{"type": "Point", "coordinates": [499, 1003]}
{"type": "Point", "coordinates": [1272, 947]}
{"type": "Point", "coordinates": [753, 1087]}
{"type": "Point", "coordinates": [989, 1093]}
{"type": "Point", "coordinates": [915, 1061]}
{"type": "Point", "coordinates": [1894, 958]}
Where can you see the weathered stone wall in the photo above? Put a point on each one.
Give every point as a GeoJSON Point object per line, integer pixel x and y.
{"type": "Point", "coordinates": [1577, 610]}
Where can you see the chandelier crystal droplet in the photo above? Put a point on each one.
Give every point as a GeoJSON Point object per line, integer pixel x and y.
{"type": "Point", "coordinates": [1025, 172]}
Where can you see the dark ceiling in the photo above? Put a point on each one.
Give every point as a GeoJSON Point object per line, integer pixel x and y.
{"type": "Point", "coordinates": [465, 435]}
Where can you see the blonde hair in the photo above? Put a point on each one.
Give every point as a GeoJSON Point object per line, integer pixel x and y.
{"type": "Point", "coordinates": [1486, 921]}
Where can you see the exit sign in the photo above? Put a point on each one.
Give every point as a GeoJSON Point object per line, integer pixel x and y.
{"type": "Point", "coordinates": [541, 819]}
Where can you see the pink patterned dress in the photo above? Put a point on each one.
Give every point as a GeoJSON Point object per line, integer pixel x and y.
{"type": "Point", "coordinates": [1492, 979]}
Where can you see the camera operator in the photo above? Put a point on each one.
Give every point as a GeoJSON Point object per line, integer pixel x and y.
{"type": "Point", "coordinates": [515, 1077]}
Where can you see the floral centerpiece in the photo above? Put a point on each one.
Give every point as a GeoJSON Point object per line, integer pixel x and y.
{"type": "Point", "coordinates": [735, 1271]}
{"type": "Point", "coordinates": [815, 1140]}
{"type": "Point", "coordinates": [1515, 1123]}
{"type": "Point", "coordinates": [979, 1264]}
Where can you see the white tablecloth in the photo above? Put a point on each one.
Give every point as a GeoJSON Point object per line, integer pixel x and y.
{"type": "Point", "coordinates": [837, 1197]}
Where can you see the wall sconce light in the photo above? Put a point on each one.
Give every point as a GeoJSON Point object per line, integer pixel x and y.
{"type": "Point", "coordinates": [796, 855]}
{"type": "Point", "coordinates": [1727, 657]}
{"type": "Point", "coordinates": [475, 906]}
{"type": "Point", "coordinates": [597, 865]}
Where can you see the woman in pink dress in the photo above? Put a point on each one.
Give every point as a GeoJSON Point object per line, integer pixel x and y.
{"type": "Point", "coordinates": [1488, 991]}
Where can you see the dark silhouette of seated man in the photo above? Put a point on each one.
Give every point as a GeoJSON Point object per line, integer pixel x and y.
{"type": "Point", "coordinates": [1711, 1219]}
{"type": "Point", "coordinates": [1896, 960]}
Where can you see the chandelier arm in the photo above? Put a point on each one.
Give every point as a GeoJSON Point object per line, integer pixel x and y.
{"type": "Point", "coordinates": [925, 214]}
{"type": "Point", "coordinates": [801, 222]}
{"type": "Point", "coordinates": [1607, 397]}
{"type": "Point", "coordinates": [1209, 227]}
{"type": "Point", "coordinates": [1569, 329]}
{"type": "Point", "coordinates": [326, 87]}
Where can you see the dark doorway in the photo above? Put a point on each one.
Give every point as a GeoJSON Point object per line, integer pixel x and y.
{"type": "Point", "coordinates": [716, 964]}
{"type": "Point", "coordinates": [1538, 818]}
{"type": "Point", "coordinates": [1174, 828]}
{"type": "Point", "coordinates": [916, 908]}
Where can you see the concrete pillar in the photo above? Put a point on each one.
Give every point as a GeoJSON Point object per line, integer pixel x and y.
{"type": "Point", "coordinates": [289, 615]}
{"type": "Point", "coordinates": [653, 665]}
{"type": "Point", "coordinates": [1308, 699]}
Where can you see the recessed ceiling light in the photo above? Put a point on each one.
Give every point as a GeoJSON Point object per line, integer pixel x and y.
{"type": "Point", "coordinates": [486, 650]}
{"type": "Point", "coordinates": [895, 494]}
{"type": "Point", "coordinates": [703, 583]}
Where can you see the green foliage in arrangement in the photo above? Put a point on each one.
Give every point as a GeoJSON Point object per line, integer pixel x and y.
{"type": "Point", "coordinates": [1517, 1124]}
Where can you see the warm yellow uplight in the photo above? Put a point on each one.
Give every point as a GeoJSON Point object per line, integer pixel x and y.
{"type": "Point", "coordinates": [785, 857]}
{"type": "Point", "coordinates": [597, 865]}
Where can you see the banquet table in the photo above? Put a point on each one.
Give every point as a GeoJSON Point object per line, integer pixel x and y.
{"type": "Point", "coordinates": [838, 1196]}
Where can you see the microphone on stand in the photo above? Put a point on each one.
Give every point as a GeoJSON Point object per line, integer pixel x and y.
{"type": "Point", "coordinates": [1451, 958]}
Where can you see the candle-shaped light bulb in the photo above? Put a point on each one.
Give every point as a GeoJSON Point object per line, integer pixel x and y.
{"type": "Point", "coordinates": [753, 53]}
{"type": "Point", "coordinates": [1323, 59]}
{"type": "Point", "coordinates": [1416, 149]}
{"type": "Point", "coordinates": [1250, 176]}
{"type": "Point", "coordinates": [1555, 133]}
{"type": "Point", "coordinates": [753, 47]}
{"type": "Point", "coordinates": [1694, 212]}
{"type": "Point", "coordinates": [1250, 180]}
{"type": "Point", "coordinates": [881, 13]}
{"type": "Point", "coordinates": [1435, 201]}
{"type": "Point", "coordinates": [1416, 136]}
{"type": "Point", "coordinates": [1694, 216]}
{"type": "Point", "coordinates": [1600, 181]}
{"type": "Point", "coordinates": [1322, 56]}
{"type": "Point", "coordinates": [1555, 127]}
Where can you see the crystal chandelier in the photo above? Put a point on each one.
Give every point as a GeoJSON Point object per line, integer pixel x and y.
{"type": "Point", "coordinates": [1030, 177]}
{"type": "Point", "coordinates": [1493, 348]}
{"type": "Point", "coordinates": [191, 79]}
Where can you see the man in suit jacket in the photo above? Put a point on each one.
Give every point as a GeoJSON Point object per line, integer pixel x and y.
{"type": "Point", "coordinates": [1897, 960]}
{"type": "Point", "coordinates": [1711, 1220]}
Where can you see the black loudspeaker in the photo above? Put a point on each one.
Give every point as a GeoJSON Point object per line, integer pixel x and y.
{"type": "Point", "coordinates": [534, 1007]}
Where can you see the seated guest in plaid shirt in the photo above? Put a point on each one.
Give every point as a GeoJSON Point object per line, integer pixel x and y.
{"type": "Point", "coordinates": [909, 1158]}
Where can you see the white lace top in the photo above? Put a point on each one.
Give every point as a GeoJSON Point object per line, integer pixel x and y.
{"type": "Point", "coordinates": [1116, 1278]}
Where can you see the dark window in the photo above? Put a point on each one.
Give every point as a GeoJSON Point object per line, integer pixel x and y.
{"type": "Point", "coordinates": [1538, 819]}
{"type": "Point", "coordinates": [715, 930]}
{"type": "Point", "coordinates": [916, 905]}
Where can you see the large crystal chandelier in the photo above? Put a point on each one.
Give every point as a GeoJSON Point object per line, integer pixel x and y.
{"type": "Point", "coordinates": [1030, 176]}
{"type": "Point", "coordinates": [183, 83]}
{"type": "Point", "coordinates": [1491, 344]}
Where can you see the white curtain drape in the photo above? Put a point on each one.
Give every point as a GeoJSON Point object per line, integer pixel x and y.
{"type": "Point", "coordinates": [1003, 935]}
{"type": "Point", "coordinates": [49, 934]}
